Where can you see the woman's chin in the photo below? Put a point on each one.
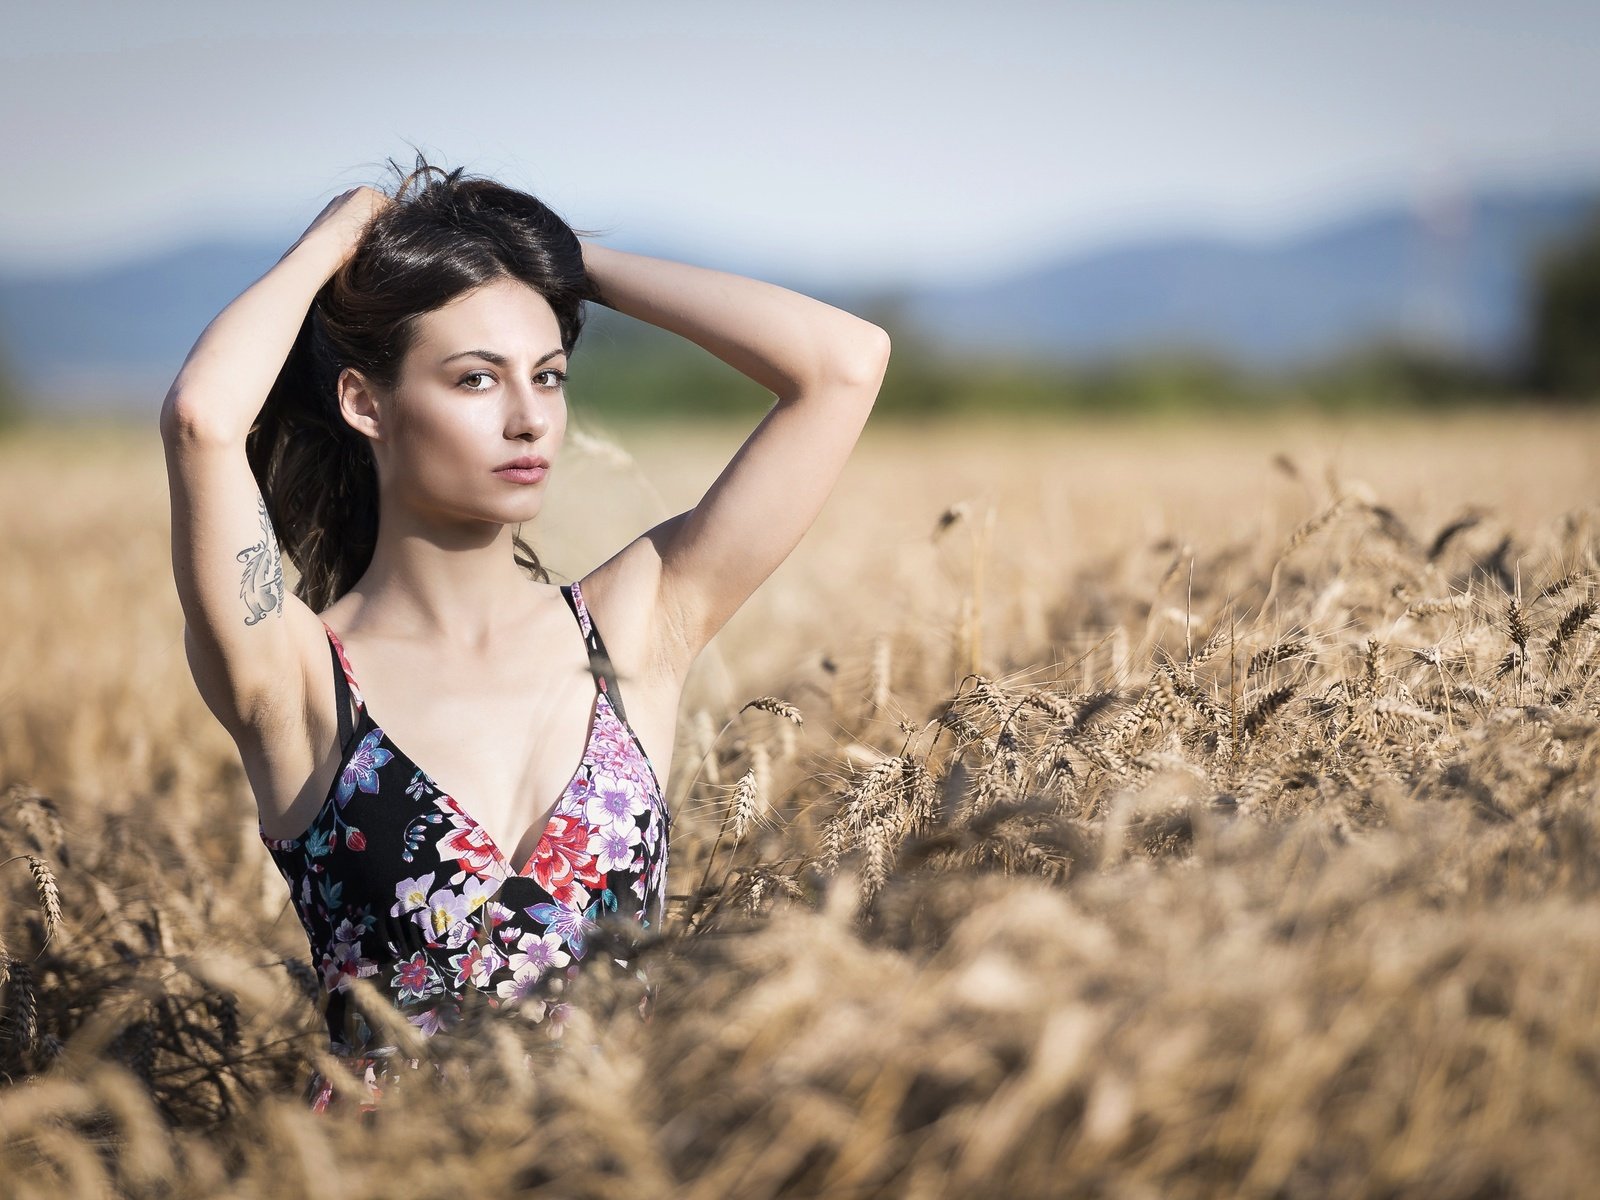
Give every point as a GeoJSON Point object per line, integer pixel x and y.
{"type": "Point", "coordinates": [516, 514]}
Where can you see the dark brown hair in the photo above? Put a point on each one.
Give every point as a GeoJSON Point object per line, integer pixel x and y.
{"type": "Point", "coordinates": [445, 234]}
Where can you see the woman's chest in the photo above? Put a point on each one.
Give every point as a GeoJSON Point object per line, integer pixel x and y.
{"type": "Point", "coordinates": [510, 755]}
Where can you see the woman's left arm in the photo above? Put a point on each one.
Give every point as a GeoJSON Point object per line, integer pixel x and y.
{"type": "Point", "coordinates": [825, 367]}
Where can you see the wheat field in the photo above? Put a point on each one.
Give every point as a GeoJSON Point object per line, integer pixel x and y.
{"type": "Point", "coordinates": [1187, 810]}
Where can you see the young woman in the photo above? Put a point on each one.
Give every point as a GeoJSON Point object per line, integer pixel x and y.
{"type": "Point", "coordinates": [385, 407]}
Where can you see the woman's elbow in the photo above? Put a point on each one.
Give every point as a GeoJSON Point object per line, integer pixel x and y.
{"type": "Point", "coordinates": [864, 357]}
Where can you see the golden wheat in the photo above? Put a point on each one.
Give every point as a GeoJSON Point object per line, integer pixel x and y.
{"type": "Point", "coordinates": [1061, 904]}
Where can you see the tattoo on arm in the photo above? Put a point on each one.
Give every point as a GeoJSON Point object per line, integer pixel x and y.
{"type": "Point", "coordinates": [261, 588]}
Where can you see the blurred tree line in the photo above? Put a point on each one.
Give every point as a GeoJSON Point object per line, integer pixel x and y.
{"type": "Point", "coordinates": [12, 405]}
{"type": "Point", "coordinates": [628, 369]}
{"type": "Point", "coordinates": [655, 372]}
{"type": "Point", "coordinates": [1564, 350]}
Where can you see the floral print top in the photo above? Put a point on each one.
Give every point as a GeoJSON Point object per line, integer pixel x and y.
{"type": "Point", "coordinates": [394, 880]}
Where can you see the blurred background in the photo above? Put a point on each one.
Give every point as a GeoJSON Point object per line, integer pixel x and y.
{"type": "Point", "coordinates": [1220, 564]}
{"type": "Point", "coordinates": [1054, 208]}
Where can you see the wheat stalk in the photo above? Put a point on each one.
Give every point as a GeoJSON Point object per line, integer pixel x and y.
{"type": "Point", "coordinates": [777, 707]}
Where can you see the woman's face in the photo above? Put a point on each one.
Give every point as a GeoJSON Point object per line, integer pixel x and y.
{"type": "Point", "coordinates": [482, 384]}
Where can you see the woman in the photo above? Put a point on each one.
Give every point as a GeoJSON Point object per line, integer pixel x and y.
{"type": "Point", "coordinates": [386, 404]}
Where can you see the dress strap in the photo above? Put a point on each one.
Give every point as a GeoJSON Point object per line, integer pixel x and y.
{"type": "Point", "coordinates": [345, 689]}
{"type": "Point", "coordinates": [600, 665]}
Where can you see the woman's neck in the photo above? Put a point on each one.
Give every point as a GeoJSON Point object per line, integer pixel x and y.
{"type": "Point", "coordinates": [457, 584]}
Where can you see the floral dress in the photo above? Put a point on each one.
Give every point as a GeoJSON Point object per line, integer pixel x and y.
{"type": "Point", "coordinates": [394, 880]}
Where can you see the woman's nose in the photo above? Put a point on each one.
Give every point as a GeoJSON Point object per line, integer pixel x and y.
{"type": "Point", "coordinates": [530, 418]}
{"type": "Point", "coordinates": [530, 415]}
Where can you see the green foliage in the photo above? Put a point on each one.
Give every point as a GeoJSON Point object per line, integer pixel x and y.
{"type": "Point", "coordinates": [11, 406]}
{"type": "Point", "coordinates": [1564, 342]}
{"type": "Point", "coordinates": [1390, 372]}
{"type": "Point", "coordinates": [627, 369]}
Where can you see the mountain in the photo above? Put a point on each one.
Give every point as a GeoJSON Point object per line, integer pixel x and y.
{"type": "Point", "coordinates": [114, 337]}
{"type": "Point", "coordinates": [1460, 282]}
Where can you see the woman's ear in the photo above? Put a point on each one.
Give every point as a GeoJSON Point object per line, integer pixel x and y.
{"type": "Point", "coordinates": [358, 403]}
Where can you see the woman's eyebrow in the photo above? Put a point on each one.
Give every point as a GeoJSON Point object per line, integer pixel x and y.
{"type": "Point", "coordinates": [498, 360]}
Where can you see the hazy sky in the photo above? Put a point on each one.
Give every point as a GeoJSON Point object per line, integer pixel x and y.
{"type": "Point", "coordinates": [860, 140]}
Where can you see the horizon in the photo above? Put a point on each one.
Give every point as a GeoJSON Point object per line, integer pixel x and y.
{"type": "Point", "coordinates": [838, 142]}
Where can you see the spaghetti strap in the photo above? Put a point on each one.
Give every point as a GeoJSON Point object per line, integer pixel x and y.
{"type": "Point", "coordinates": [600, 665]}
{"type": "Point", "coordinates": [344, 690]}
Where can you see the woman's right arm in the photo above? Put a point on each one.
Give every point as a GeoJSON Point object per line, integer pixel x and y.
{"type": "Point", "coordinates": [225, 378]}
{"type": "Point", "coordinates": [245, 636]}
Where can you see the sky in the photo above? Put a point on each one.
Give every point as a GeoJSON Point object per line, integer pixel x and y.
{"type": "Point", "coordinates": [865, 141]}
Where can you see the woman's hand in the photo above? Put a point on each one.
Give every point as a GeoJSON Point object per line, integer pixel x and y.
{"type": "Point", "coordinates": [226, 378]}
{"type": "Point", "coordinates": [344, 219]}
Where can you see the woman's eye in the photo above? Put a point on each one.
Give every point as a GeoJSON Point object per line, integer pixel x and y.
{"type": "Point", "coordinates": [560, 378]}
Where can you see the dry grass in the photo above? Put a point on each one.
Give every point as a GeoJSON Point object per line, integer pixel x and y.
{"type": "Point", "coordinates": [1180, 813]}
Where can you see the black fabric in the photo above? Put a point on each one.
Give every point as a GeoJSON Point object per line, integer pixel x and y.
{"type": "Point", "coordinates": [600, 665]}
{"type": "Point", "coordinates": [394, 879]}
{"type": "Point", "coordinates": [341, 693]}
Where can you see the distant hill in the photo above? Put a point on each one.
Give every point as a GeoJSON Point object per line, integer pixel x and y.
{"type": "Point", "coordinates": [115, 336]}
{"type": "Point", "coordinates": [1385, 272]}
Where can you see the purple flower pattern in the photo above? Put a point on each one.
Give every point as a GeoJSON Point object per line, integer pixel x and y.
{"type": "Point", "coordinates": [394, 881]}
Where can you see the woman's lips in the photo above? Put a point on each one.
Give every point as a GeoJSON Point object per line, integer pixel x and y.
{"type": "Point", "coordinates": [522, 474]}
